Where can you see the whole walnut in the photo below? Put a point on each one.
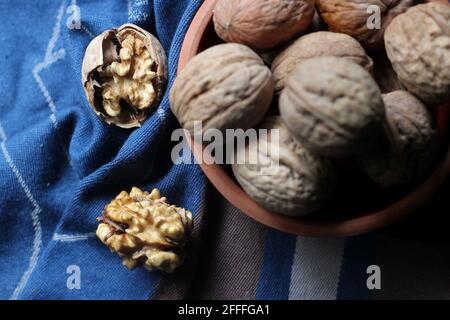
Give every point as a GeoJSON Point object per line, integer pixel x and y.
{"type": "Point", "coordinates": [318, 44]}
{"type": "Point", "coordinates": [143, 229]}
{"type": "Point", "coordinates": [418, 45]}
{"type": "Point", "coordinates": [292, 181]}
{"type": "Point", "coordinates": [124, 74]}
{"type": "Point", "coordinates": [262, 24]}
{"type": "Point", "coordinates": [410, 145]}
{"type": "Point", "coordinates": [355, 18]}
{"type": "Point", "coordinates": [225, 87]}
{"type": "Point", "coordinates": [333, 106]}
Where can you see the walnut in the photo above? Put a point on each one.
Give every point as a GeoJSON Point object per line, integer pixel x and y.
{"type": "Point", "coordinates": [295, 184]}
{"type": "Point", "coordinates": [262, 24]}
{"type": "Point", "coordinates": [143, 229]}
{"type": "Point", "coordinates": [124, 73]}
{"type": "Point", "coordinates": [351, 17]}
{"type": "Point", "coordinates": [418, 45]}
{"type": "Point", "coordinates": [226, 87]}
{"type": "Point", "coordinates": [410, 145]}
{"type": "Point", "coordinates": [314, 45]}
{"type": "Point", "coordinates": [333, 106]}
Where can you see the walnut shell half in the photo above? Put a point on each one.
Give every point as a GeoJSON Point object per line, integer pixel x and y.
{"type": "Point", "coordinates": [352, 17]}
{"type": "Point", "coordinates": [143, 228]}
{"type": "Point", "coordinates": [318, 44]}
{"type": "Point", "coordinates": [124, 73]}
{"type": "Point", "coordinates": [292, 181]}
{"type": "Point", "coordinates": [225, 87]}
{"type": "Point", "coordinates": [262, 24]}
{"type": "Point", "coordinates": [333, 106]}
{"type": "Point", "coordinates": [418, 45]}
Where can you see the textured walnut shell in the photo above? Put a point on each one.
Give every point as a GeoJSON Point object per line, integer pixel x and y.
{"type": "Point", "coordinates": [262, 24]}
{"type": "Point", "coordinates": [418, 45]}
{"type": "Point", "coordinates": [295, 185]}
{"type": "Point", "coordinates": [332, 105]}
{"type": "Point", "coordinates": [315, 45]}
{"type": "Point", "coordinates": [101, 52]}
{"type": "Point", "coordinates": [410, 144]}
{"type": "Point", "coordinates": [225, 87]}
{"type": "Point", "coordinates": [351, 17]}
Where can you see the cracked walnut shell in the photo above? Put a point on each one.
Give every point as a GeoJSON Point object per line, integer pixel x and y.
{"type": "Point", "coordinates": [224, 87]}
{"type": "Point", "coordinates": [353, 17]}
{"type": "Point", "coordinates": [318, 44]}
{"type": "Point", "coordinates": [262, 24]}
{"type": "Point", "coordinates": [144, 230]}
{"type": "Point", "coordinates": [285, 178]}
{"type": "Point", "coordinates": [124, 73]}
{"type": "Point", "coordinates": [418, 45]}
{"type": "Point", "coordinates": [410, 143]}
{"type": "Point", "coordinates": [332, 106]}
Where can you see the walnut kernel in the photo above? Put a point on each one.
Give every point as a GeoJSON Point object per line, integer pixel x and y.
{"type": "Point", "coordinates": [143, 229]}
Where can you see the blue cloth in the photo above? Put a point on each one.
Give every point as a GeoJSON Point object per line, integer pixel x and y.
{"type": "Point", "coordinates": [60, 165]}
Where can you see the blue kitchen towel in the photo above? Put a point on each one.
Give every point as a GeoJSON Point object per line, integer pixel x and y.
{"type": "Point", "coordinates": [60, 165]}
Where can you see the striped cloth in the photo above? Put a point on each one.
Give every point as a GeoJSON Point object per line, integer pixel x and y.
{"type": "Point", "coordinates": [241, 259]}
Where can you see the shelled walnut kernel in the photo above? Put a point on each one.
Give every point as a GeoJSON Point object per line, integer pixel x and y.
{"type": "Point", "coordinates": [124, 74]}
{"type": "Point", "coordinates": [129, 79]}
{"type": "Point", "coordinates": [143, 229]}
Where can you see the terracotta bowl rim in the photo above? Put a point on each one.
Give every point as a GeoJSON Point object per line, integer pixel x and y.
{"type": "Point", "coordinates": [303, 226]}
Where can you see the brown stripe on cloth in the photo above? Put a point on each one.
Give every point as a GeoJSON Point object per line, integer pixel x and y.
{"type": "Point", "coordinates": [231, 255]}
{"type": "Point", "coordinates": [412, 269]}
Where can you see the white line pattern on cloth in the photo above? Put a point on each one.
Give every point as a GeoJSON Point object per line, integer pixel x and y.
{"type": "Point", "coordinates": [73, 237]}
{"type": "Point", "coordinates": [37, 242]}
{"type": "Point", "coordinates": [50, 58]}
{"type": "Point", "coordinates": [316, 268]}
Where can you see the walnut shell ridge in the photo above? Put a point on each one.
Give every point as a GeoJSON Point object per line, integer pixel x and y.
{"type": "Point", "coordinates": [410, 143]}
{"type": "Point", "coordinates": [225, 87]}
{"type": "Point", "coordinates": [262, 24]}
{"type": "Point", "coordinates": [352, 17]}
{"type": "Point", "coordinates": [101, 52]}
{"type": "Point", "coordinates": [318, 44]}
{"type": "Point", "coordinates": [332, 106]}
{"type": "Point", "coordinates": [295, 184]}
{"type": "Point", "coordinates": [418, 45]}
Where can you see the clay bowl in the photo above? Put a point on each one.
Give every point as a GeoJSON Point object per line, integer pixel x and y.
{"type": "Point", "coordinates": [363, 207]}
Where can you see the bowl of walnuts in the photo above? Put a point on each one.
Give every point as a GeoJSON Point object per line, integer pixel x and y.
{"type": "Point", "coordinates": [357, 90]}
